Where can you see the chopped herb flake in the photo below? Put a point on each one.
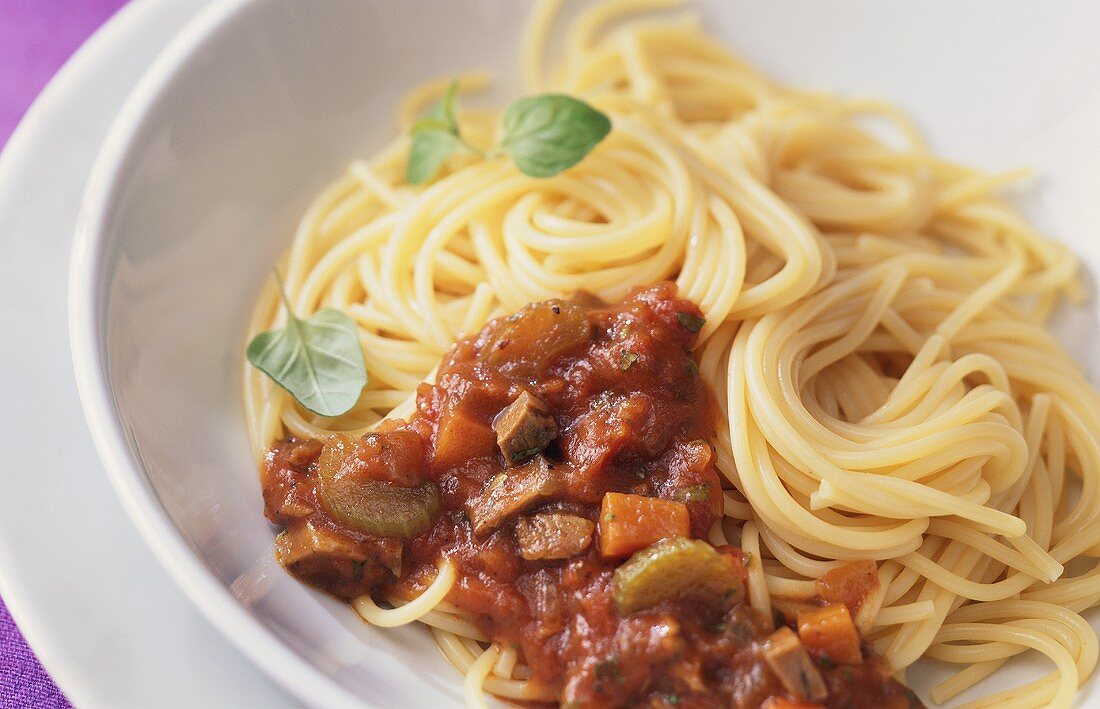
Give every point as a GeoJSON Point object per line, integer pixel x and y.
{"type": "Point", "coordinates": [699, 492]}
{"type": "Point", "coordinates": [692, 323]}
{"type": "Point", "coordinates": [628, 359]}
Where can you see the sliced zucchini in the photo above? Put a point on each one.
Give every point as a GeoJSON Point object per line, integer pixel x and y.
{"type": "Point", "coordinates": [676, 567]}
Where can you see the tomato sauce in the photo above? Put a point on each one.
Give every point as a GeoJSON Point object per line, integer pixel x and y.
{"type": "Point", "coordinates": [615, 404]}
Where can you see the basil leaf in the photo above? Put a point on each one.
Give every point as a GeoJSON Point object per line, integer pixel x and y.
{"type": "Point", "coordinates": [318, 360]}
{"type": "Point", "coordinates": [430, 149]}
{"type": "Point", "coordinates": [435, 138]}
{"type": "Point", "coordinates": [447, 109]}
{"type": "Point", "coordinates": [441, 115]}
{"type": "Point", "coordinates": [428, 123]}
{"type": "Point", "coordinates": [549, 133]}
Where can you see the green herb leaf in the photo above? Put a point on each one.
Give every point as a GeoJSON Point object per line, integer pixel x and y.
{"type": "Point", "coordinates": [429, 123]}
{"type": "Point", "coordinates": [447, 109]}
{"type": "Point", "coordinates": [693, 323]}
{"type": "Point", "coordinates": [549, 133]}
{"type": "Point", "coordinates": [435, 138]}
{"type": "Point", "coordinates": [441, 115]}
{"type": "Point", "coordinates": [628, 359]}
{"type": "Point", "coordinates": [430, 149]}
{"type": "Point", "coordinates": [318, 359]}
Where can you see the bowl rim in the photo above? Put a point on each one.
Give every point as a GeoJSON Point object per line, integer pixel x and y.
{"type": "Point", "coordinates": [87, 315]}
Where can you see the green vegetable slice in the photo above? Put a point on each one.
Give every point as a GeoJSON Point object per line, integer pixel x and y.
{"type": "Point", "coordinates": [382, 508]}
{"type": "Point", "coordinates": [673, 568]}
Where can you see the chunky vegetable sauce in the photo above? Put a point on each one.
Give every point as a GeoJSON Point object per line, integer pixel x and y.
{"type": "Point", "coordinates": [561, 461]}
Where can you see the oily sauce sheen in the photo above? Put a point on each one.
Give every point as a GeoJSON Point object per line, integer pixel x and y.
{"type": "Point", "coordinates": [630, 414]}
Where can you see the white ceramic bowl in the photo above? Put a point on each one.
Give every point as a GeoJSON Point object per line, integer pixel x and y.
{"type": "Point", "coordinates": [257, 104]}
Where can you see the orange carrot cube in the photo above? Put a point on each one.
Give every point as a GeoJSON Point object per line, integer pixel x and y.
{"type": "Point", "coordinates": [632, 522]}
{"type": "Point", "coordinates": [829, 631]}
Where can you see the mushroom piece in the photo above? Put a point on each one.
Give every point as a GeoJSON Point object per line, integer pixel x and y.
{"type": "Point", "coordinates": [524, 428]}
{"type": "Point", "coordinates": [513, 492]}
{"type": "Point", "coordinates": [334, 562]}
{"type": "Point", "coordinates": [553, 535]}
{"type": "Point", "coordinates": [788, 659]}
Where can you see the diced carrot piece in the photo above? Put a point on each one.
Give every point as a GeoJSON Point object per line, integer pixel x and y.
{"type": "Point", "coordinates": [786, 610]}
{"type": "Point", "coordinates": [632, 522]}
{"type": "Point", "coordinates": [461, 437]}
{"type": "Point", "coordinates": [784, 703]}
{"type": "Point", "coordinates": [849, 584]}
{"type": "Point", "coordinates": [831, 633]}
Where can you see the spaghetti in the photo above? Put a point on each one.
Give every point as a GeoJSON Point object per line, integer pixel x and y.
{"type": "Point", "coordinates": [874, 335]}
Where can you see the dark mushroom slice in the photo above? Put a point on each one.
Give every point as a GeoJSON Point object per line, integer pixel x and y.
{"type": "Point", "coordinates": [333, 561]}
{"type": "Point", "coordinates": [524, 428]}
{"type": "Point", "coordinates": [516, 491]}
{"type": "Point", "coordinates": [787, 658]}
{"type": "Point", "coordinates": [553, 535]}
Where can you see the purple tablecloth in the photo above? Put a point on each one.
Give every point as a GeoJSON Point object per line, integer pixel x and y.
{"type": "Point", "coordinates": [36, 37]}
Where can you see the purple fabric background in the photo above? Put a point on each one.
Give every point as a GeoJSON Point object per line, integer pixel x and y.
{"type": "Point", "coordinates": [36, 37]}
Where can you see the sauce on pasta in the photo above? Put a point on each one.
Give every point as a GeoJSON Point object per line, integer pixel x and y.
{"type": "Point", "coordinates": [570, 450]}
